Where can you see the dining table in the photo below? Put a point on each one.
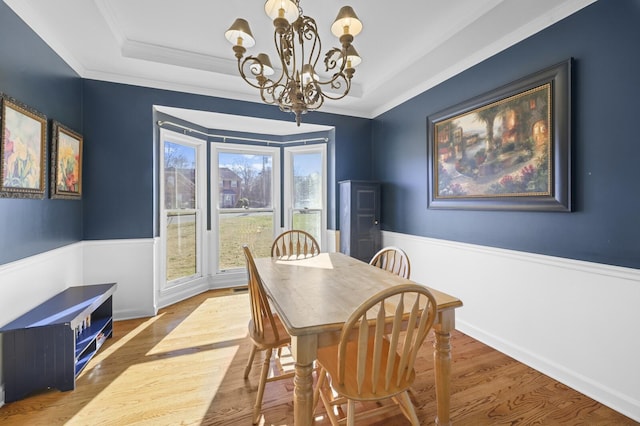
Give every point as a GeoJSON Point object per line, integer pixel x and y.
{"type": "Point", "coordinates": [315, 296]}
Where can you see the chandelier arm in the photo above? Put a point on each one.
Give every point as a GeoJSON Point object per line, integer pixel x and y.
{"type": "Point", "coordinates": [336, 79]}
{"type": "Point", "coordinates": [336, 83]}
{"type": "Point", "coordinates": [249, 61]}
{"type": "Point", "coordinates": [316, 107]}
{"type": "Point", "coordinates": [313, 95]}
{"type": "Point", "coordinates": [298, 89]}
{"type": "Point", "coordinates": [333, 56]}
{"type": "Point", "coordinates": [268, 90]}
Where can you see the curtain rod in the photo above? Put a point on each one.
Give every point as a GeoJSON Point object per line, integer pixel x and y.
{"type": "Point", "coordinates": [225, 137]}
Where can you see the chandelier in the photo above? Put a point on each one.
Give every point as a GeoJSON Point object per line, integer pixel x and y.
{"type": "Point", "coordinates": [298, 88]}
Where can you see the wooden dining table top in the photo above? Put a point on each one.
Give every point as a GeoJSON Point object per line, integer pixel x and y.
{"type": "Point", "coordinates": [318, 294]}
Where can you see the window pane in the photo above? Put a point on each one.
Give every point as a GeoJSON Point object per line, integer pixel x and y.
{"type": "Point", "coordinates": [308, 220]}
{"type": "Point", "coordinates": [307, 181]}
{"type": "Point", "coordinates": [237, 229]}
{"type": "Point", "coordinates": [244, 180]}
{"type": "Point", "coordinates": [181, 245]}
{"type": "Point", "coordinates": [179, 176]}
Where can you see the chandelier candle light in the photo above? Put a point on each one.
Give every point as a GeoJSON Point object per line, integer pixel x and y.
{"type": "Point", "coordinates": [298, 88]}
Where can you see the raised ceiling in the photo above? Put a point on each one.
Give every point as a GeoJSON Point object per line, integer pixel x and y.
{"type": "Point", "coordinates": [407, 46]}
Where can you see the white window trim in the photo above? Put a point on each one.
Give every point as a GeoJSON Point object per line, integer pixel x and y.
{"type": "Point", "coordinates": [217, 147]}
{"type": "Point", "coordinates": [288, 186]}
{"type": "Point", "coordinates": [202, 249]}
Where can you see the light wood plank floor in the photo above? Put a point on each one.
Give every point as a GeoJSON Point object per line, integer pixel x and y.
{"type": "Point", "coordinates": [185, 367]}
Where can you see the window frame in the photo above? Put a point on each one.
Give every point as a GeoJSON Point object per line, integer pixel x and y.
{"type": "Point", "coordinates": [200, 210]}
{"type": "Point", "coordinates": [288, 190]}
{"type": "Point", "coordinates": [215, 149]}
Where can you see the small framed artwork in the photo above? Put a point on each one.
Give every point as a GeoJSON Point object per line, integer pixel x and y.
{"type": "Point", "coordinates": [66, 162]}
{"type": "Point", "coordinates": [23, 150]}
{"type": "Point", "coordinates": [509, 149]}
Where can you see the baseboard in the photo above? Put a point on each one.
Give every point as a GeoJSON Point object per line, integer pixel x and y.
{"type": "Point", "coordinates": [229, 280]}
{"type": "Point", "coordinates": [127, 314]}
{"type": "Point", "coordinates": [177, 294]}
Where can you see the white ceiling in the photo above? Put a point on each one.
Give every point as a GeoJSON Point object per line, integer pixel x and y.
{"type": "Point", "coordinates": [407, 46]}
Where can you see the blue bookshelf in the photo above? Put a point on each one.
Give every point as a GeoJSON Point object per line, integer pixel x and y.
{"type": "Point", "coordinates": [49, 346]}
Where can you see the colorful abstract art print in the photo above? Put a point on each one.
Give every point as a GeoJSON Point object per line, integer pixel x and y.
{"type": "Point", "coordinates": [66, 163]}
{"type": "Point", "coordinates": [22, 150]}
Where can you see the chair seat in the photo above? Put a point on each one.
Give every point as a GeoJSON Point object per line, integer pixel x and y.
{"type": "Point", "coordinates": [269, 339]}
{"type": "Point", "coordinates": [328, 359]}
{"type": "Point", "coordinates": [265, 330]}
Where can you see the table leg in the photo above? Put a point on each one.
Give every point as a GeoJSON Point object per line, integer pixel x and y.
{"type": "Point", "coordinates": [304, 349]}
{"type": "Point", "coordinates": [442, 364]}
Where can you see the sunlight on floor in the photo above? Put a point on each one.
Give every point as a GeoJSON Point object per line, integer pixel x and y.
{"type": "Point", "coordinates": [145, 384]}
{"type": "Point", "coordinates": [182, 345]}
{"type": "Point", "coordinates": [108, 350]}
{"type": "Point", "coordinates": [190, 333]}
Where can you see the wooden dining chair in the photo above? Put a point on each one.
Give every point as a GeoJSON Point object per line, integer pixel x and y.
{"type": "Point", "coordinates": [392, 259]}
{"type": "Point", "coordinates": [295, 244]}
{"type": "Point", "coordinates": [265, 330]}
{"type": "Point", "coordinates": [374, 358]}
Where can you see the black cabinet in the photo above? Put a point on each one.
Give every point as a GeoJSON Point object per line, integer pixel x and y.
{"type": "Point", "coordinates": [359, 218]}
{"type": "Point", "coordinates": [50, 345]}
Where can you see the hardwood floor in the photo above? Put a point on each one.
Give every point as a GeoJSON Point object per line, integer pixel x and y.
{"type": "Point", "coordinates": [185, 367]}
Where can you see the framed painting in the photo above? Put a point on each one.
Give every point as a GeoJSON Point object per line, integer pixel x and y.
{"type": "Point", "coordinates": [509, 149]}
{"type": "Point", "coordinates": [22, 150]}
{"type": "Point", "coordinates": [66, 163]}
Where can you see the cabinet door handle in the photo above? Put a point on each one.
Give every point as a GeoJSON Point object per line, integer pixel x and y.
{"type": "Point", "coordinates": [375, 222]}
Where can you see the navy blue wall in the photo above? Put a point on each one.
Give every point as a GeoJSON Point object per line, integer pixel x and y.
{"type": "Point", "coordinates": [117, 124]}
{"type": "Point", "coordinates": [605, 225]}
{"type": "Point", "coordinates": [34, 75]}
{"type": "Point", "coordinates": [119, 155]}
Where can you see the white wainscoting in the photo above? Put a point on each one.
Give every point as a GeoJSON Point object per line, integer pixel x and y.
{"type": "Point", "coordinates": [131, 264]}
{"type": "Point", "coordinates": [574, 321]}
{"type": "Point", "coordinates": [26, 283]}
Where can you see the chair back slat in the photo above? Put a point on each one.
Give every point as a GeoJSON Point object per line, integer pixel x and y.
{"type": "Point", "coordinates": [394, 260]}
{"type": "Point", "coordinates": [425, 324]}
{"type": "Point", "coordinates": [395, 335]}
{"type": "Point", "coordinates": [378, 346]}
{"type": "Point", "coordinates": [363, 338]}
{"type": "Point", "coordinates": [384, 358]}
{"type": "Point", "coordinates": [408, 343]}
{"type": "Point", "coordinates": [295, 244]}
{"type": "Point", "coordinates": [291, 250]}
{"type": "Point", "coordinates": [260, 310]}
